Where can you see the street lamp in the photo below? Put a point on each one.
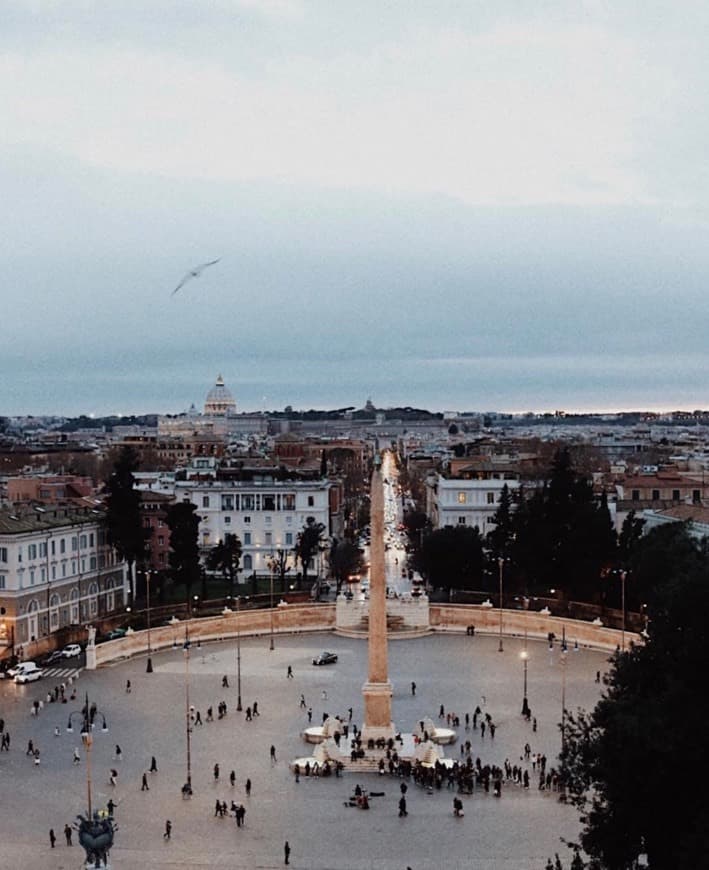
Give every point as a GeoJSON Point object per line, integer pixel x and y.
{"type": "Point", "coordinates": [271, 647]}
{"type": "Point", "coordinates": [524, 655]}
{"type": "Point", "coordinates": [149, 666]}
{"type": "Point", "coordinates": [563, 697]}
{"type": "Point", "coordinates": [500, 563]}
{"type": "Point", "coordinates": [88, 715]}
{"type": "Point", "coordinates": [187, 788]}
{"type": "Point", "coordinates": [238, 653]}
{"type": "Point", "coordinates": [623, 575]}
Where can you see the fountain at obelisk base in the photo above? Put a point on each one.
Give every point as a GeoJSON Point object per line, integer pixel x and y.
{"type": "Point", "coordinates": [377, 729]}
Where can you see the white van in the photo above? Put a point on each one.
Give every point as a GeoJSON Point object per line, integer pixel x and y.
{"type": "Point", "coordinates": [18, 668]}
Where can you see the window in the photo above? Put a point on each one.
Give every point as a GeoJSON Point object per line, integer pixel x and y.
{"type": "Point", "coordinates": [3, 554]}
{"type": "Point", "coordinates": [311, 501]}
{"type": "Point", "coordinates": [2, 581]}
{"type": "Point", "coordinates": [675, 495]}
{"type": "Point", "coordinates": [19, 554]}
{"type": "Point", "coordinates": [635, 495]}
{"type": "Point", "coordinates": [83, 542]}
{"type": "Point", "coordinates": [461, 521]}
{"type": "Point", "coordinates": [268, 539]}
{"type": "Point", "coordinates": [268, 519]}
{"type": "Point", "coordinates": [31, 576]}
{"type": "Point", "coordinates": [247, 539]}
{"type": "Point", "coordinates": [227, 521]}
{"type": "Point", "coordinates": [62, 546]}
{"type": "Point", "coordinates": [32, 551]}
{"type": "Point", "coordinates": [93, 602]}
{"type": "Point", "coordinates": [288, 501]}
{"type": "Point", "coordinates": [53, 548]}
{"type": "Point", "coordinates": [74, 544]}
{"type": "Point", "coordinates": [461, 498]}
{"type": "Point", "coordinates": [43, 550]}
{"type": "Point", "coordinates": [696, 496]}
{"type": "Point", "coordinates": [247, 519]}
{"type": "Point", "coordinates": [227, 502]}
{"type": "Point", "coordinates": [247, 502]}
{"type": "Point", "coordinates": [289, 521]}
{"type": "Point", "coordinates": [92, 563]}
{"type": "Point", "coordinates": [205, 501]}
{"type": "Point", "coordinates": [54, 572]}
{"type": "Point", "coordinates": [248, 562]}
{"type": "Point", "coordinates": [161, 540]}
{"type": "Point", "coordinates": [491, 498]}
{"type": "Point", "coordinates": [91, 539]}
{"type": "Point", "coordinates": [268, 502]}
{"type": "Point", "coordinates": [289, 539]}
{"type": "Point", "coordinates": [656, 495]}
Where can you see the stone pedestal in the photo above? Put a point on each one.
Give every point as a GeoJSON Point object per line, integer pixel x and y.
{"type": "Point", "coordinates": [377, 706]}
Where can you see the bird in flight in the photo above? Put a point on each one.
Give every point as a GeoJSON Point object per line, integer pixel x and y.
{"type": "Point", "coordinates": [194, 273]}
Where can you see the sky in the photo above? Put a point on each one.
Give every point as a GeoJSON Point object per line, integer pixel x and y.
{"type": "Point", "coordinates": [449, 204]}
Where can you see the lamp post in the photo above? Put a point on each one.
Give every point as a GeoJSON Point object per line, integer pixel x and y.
{"type": "Point", "coordinates": [500, 564]}
{"type": "Point", "coordinates": [623, 575]}
{"type": "Point", "coordinates": [87, 724]}
{"type": "Point", "coordinates": [271, 647]}
{"type": "Point", "coordinates": [238, 653]}
{"type": "Point", "coordinates": [563, 697]}
{"type": "Point", "coordinates": [188, 723]}
{"type": "Point", "coordinates": [149, 666]}
{"type": "Point", "coordinates": [524, 655]}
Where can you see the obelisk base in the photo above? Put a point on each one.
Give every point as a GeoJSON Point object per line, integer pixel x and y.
{"type": "Point", "coordinates": [377, 711]}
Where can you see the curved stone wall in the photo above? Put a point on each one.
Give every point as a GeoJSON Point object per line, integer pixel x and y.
{"type": "Point", "coordinates": [294, 618]}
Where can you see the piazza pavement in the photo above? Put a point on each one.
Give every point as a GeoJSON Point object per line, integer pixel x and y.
{"type": "Point", "coordinates": [518, 831]}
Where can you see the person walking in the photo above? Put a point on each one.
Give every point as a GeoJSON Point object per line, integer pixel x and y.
{"type": "Point", "coordinates": [273, 754]}
{"type": "Point", "coordinates": [128, 687]}
{"type": "Point", "coordinates": [216, 773]}
{"type": "Point", "coordinates": [30, 748]}
{"type": "Point", "coordinates": [324, 695]}
{"type": "Point", "coordinates": [310, 714]}
{"type": "Point", "coordinates": [254, 709]}
{"type": "Point", "coordinates": [110, 806]}
{"type": "Point", "coordinates": [77, 757]}
{"type": "Point", "coordinates": [225, 682]}
{"type": "Point", "coordinates": [247, 788]}
{"type": "Point", "coordinates": [413, 688]}
{"type": "Point", "coordinates": [52, 837]}
{"type": "Point", "coordinates": [232, 778]}
{"type": "Point", "coordinates": [119, 753]}
{"type": "Point", "coordinates": [113, 776]}
{"type": "Point", "coordinates": [402, 807]}
{"type": "Point", "coordinates": [168, 830]}
{"type": "Point", "coordinates": [145, 786]}
{"type": "Point", "coordinates": [303, 705]}
{"type": "Point", "coordinates": [289, 673]}
{"type": "Point", "coordinates": [286, 853]}
{"type": "Point", "coordinates": [67, 834]}
{"type": "Point", "coordinates": [153, 765]}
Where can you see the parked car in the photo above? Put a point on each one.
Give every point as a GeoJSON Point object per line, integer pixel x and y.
{"type": "Point", "coordinates": [325, 658]}
{"type": "Point", "coordinates": [71, 651]}
{"type": "Point", "coordinates": [29, 673]}
{"type": "Point", "coordinates": [115, 633]}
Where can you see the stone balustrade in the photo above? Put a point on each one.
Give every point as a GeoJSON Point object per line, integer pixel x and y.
{"type": "Point", "coordinates": [295, 618]}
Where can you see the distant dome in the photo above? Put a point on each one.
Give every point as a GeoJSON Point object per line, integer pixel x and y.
{"type": "Point", "coordinates": [219, 400]}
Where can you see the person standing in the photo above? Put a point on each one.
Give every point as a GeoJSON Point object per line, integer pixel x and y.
{"type": "Point", "coordinates": [216, 773]}
{"type": "Point", "coordinates": [413, 688]}
{"type": "Point", "coordinates": [247, 788]}
{"type": "Point", "coordinates": [110, 806]}
{"type": "Point", "coordinates": [232, 778]}
{"type": "Point", "coordinates": [286, 853]}
{"type": "Point", "coordinates": [67, 834]}
{"type": "Point", "coordinates": [128, 687]}
{"type": "Point", "coordinates": [52, 837]}
{"type": "Point", "coordinates": [153, 765]}
{"type": "Point", "coordinates": [168, 830]}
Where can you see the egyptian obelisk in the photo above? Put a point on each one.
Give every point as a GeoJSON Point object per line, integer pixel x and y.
{"type": "Point", "coordinates": [377, 690]}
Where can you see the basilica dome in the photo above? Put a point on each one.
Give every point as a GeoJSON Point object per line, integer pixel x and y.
{"type": "Point", "coordinates": [220, 401]}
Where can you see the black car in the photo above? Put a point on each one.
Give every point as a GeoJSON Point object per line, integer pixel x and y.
{"type": "Point", "coordinates": [52, 658]}
{"type": "Point", "coordinates": [325, 658]}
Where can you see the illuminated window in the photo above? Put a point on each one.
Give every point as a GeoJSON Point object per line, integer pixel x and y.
{"type": "Point", "coordinates": [461, 498]}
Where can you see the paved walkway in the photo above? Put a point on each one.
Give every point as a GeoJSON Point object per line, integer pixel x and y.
{"type": "Point", "coordinates": [516, 832]}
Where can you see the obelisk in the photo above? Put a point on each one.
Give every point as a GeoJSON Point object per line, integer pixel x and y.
{"type": "Point", "coordinates": [377, 690]}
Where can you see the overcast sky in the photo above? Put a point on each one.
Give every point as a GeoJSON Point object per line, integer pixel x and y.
{"type": "Point", "coordinates": [456, 205]}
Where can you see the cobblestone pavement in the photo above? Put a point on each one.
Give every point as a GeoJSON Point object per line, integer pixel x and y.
{"type": "Point", "coordinates": [516, 832]}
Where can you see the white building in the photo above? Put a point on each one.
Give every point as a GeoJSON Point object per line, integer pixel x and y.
{"type": "Point", "coordinates": [56, 571]}
{"type": "Point", "coordinates": [266, 515]}
{"type": "Point", "coordinates": [464, 502]}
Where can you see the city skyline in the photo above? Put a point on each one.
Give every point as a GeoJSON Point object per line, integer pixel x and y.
{"type": "Point", "coordinates": [451, 207]}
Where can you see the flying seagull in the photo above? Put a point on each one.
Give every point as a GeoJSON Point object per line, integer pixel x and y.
{"type": "Point", "coordinates": [194, 273]}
